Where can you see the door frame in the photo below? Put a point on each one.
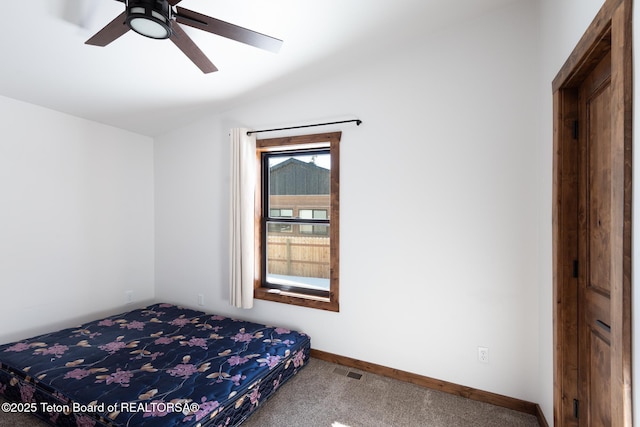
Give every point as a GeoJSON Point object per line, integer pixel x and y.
{"type": "Point", "coordinates": [610, 31]}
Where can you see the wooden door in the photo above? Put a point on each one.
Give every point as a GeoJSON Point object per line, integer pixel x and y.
{"type": "Point", "coordinates": [595, 247]}
{"type": "Point", "coordinates": [592, 175]}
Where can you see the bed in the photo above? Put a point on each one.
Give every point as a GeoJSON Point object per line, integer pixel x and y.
{"type": "Point", "coordinates": [162, 365]}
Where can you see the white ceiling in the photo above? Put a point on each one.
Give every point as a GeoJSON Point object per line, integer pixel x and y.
{"type": "Point", "coordinates": [149, 86]}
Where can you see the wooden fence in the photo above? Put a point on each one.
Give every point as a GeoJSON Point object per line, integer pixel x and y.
{"type": "Point", "coordinates": [303, 256]}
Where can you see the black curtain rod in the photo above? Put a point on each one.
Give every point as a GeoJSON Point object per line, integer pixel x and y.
{"type": "Point", "coordinates": [357, 121]}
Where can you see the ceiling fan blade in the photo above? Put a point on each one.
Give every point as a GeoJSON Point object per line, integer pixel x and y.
{"type": "Point", "coordinates": [225, 29]}
{"type": "Point", "coordinates": [110, 32]}
{"type": "Point", "coordinates": [186, 45]}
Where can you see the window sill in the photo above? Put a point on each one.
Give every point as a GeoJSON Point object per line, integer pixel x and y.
{"type": "Point", "coordinates": [293, 298]}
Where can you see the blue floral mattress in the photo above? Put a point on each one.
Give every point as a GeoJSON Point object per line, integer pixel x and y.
{"type": "Point", "coordinates": [162, 365]}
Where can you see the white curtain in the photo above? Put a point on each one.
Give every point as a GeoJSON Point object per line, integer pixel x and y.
{"type": "Point", "coordinates": [243, 183]}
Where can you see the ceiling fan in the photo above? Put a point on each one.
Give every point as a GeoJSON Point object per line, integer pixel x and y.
{"type": "Point", "coordinates": [160, 19]}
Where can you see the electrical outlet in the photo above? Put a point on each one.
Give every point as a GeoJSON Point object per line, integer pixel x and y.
{"type": "Point", "coordinates": [483, 354]}
{"type": "Point", "coordinates": [128, 297]}
{"type": "Point", "coordinates": [200, 300]}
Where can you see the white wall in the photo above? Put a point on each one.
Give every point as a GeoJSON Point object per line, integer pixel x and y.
{"type": "Point", "coordinates": [439, 205]}
{"type": "Point", "coordinates": [76, 219]}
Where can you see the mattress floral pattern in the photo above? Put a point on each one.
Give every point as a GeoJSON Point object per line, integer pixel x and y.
{"type": "Point", "coordinates": [163, 365]}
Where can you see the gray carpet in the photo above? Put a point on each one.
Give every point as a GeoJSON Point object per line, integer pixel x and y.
{"type": "Point", "coordinates": [323, 395]}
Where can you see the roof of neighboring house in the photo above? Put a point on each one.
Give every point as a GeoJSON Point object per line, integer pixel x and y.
{"type": "Point", "coordinates": [295, 177]}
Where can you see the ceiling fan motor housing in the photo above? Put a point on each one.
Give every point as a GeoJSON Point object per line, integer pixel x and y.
{"type": "Point", "coordinates": [151, 18]}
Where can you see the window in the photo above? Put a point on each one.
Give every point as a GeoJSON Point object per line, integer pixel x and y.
{"type": "Point", "coordinates": [286, 213]}
{"type": "Point", "coordinates": [282, 213]}
{"type": "Point", "coordinates": [297, 239]}
{"type": "Point", "coordinates": [313, 214]}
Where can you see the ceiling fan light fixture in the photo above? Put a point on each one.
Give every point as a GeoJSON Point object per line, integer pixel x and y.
{"type": "Point", "coordinates": [150, 18]}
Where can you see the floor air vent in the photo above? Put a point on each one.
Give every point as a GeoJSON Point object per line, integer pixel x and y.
{"type": "Point", "coordinates": [347, 373]}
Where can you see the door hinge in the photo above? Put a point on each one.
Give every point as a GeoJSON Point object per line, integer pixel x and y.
{"type": "Point", "coordinates": [576, 408]}
{"type": "Point", "coordinates": [576, 128]}
{"type": "Point", "coordinates": [575, 268]}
